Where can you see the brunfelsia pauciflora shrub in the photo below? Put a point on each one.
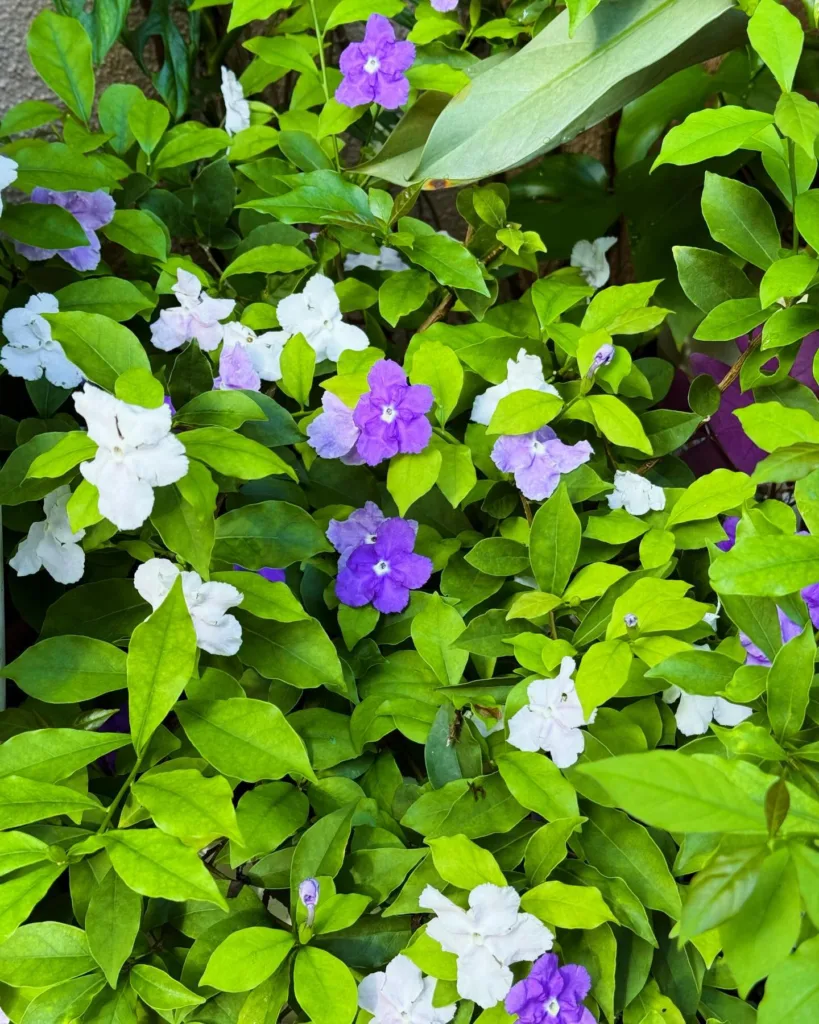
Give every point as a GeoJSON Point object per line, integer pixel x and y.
{"type": "Point", "coordinates": [391, 662]}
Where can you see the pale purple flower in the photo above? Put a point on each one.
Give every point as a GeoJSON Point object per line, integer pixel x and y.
{"type": "Point", "coordinates": [374, 68]}
{"type": "Point", "coordinates": [92, 209]}
{"type": "Point", "coordinates": [333, 432]}
{"type": "Point", "coordinates": [271, 575]}
{"type": "Point", "coordinates": [236, 371]}
{"type": "Point", "coordinates": [383, 573]}
{"type": "Point", "coordinates": [602, 357]}
{"type": "Point", "coordinates": [309, 892]}
{"type": "Point", "coordinates": [538, 460]}
{"type": "Point", "coordinates": [392, 414]}
{"type": "Point", "coordinates": [551, 994]}
{"type": "Point", "coordinates": [167, 401]}
{"type": "Point", "coordinates": [359, 528]}
{"type": "Point", "coordinates": [443, 6]}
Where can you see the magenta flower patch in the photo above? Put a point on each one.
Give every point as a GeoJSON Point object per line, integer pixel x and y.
{"type": "Point", "coordinates": [392, 414]}
{"type": "Point", "coordinates": [538, 460]}
{"type": "Point", "coordinates": [374, 68]}
{"type": "Point", "coordinates": [92, 209]}
{"type": "Point", "coordinates": [551, 994]}
{"type": "Point", "coordinates": [383, 571]}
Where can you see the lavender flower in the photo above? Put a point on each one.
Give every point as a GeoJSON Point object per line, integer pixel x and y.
{"type": "Point", "coordinates": [92, 209]}
{"type": "Point", "coordinates": [384, 572]}
{"type": "Point", "coordinates": [631, 621]}
{"type": "Point", "coordinates": [602, 357]}
{"type": "Point", "coordinates": [236, 371]}
{"type": "Point", "coordinates": [551, 994]}
{"type": "Point", "coordinates": [271, 575]}
{"type": "Point", "coordinates": [333, 432]}
{"type": "Point", "coordinates": [360, 528]}
{"type": "Point", "coordinates": [538, 460]}
{"type": "Point", "coordinates": [374, 68]}
{"type": "Point", "coordinates": [168, 401]}
{"type": "Point", "coordinates": [392, 414]}
{"type": "Point", "coordinates": [443, 6]}
{"type": "Point", "coordinates": [309, 892]}
{"type": "Point", "coordinates": [730, 526]}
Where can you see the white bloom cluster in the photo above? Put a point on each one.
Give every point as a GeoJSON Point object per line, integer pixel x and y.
{"type": "Point", "coordinates": [590, 259]}
{"type": "Point", "coordinates": [387, 260]}
{"type": "Point", "coordinates": [315, 312]}
{"type": "Point", "coordinates": [401, 994]}
{"type": "Point", "coordinates": [636, 494]}
{"type": "Point", "coordinates": [264, 350]}
{"type": "Point", "coordinates": [695, 713]}
{"type": "Point", "coordinates": [52, 544]}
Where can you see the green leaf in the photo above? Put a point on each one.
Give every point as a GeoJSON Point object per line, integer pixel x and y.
{"type": "Point", "coordinates": [705, 673]}
{"type": "Point", "coordinates": [434, 629]}
{"type": "Point", "coordinates": [44, 953]}
{"type": "Point", "coordinates": [112, 924]}
{"type": "Point", "coordinates": [161, 659]}
{"type": "Point", "coordinates": [243, 11]}
{"type": "Point", "coordinates": [792, 990]}
{"type": "Point", "coordinates": [787, 278]}
{"type": "Point", "coordinates": [602, 673]}
{"type": "Point", "coordinates": [757, 567]}
{"type": "Point", "coordinates": [159, 990]}
{"type": "Point", "coordinates": [148, 120]}
{"type": "Point", "coordinates": [537, 784]}
{"type": "Point", "coordinates": [710, 278]}
{"type": "Point", "coordinates": [60, 51]}
{"type": "Point", "coordinates": [268, 259]}
{"type": "Point", "coordinates": [547, 848]}
{"type": "Point", "coordinates": [474, 808]}
{"type": "Point", "coordinates": [58, 166]}
{"type": "Point", "coordinates": [402, 293]}
{"type": "Point", "coordinates": [730, 319]}
{"type": "Point", "coordinates": [298, 366]}
{"type": "Point", "coordinates": [183, 515]}
{"type": "Point", "coordinates": [740, 218]}
{"type": "Point", "coordinates": [186, 804]}
{"type": "Point", "coordinates": [554, 542]}
{"type": "Point", "coordinates": [267, 815]}
{"type": "Point", "coordinates": [710, 495]}
{"type": "Point", "coordinates": [457, 475]}
{"type": "Point", "coordinates": [524, 411]}
{"type": "Point", "coordinates": [272, 533]}
{"type": "Point", "coordinates": [43, 226]}
{"type": "Point", "coordinates": [789, 682]}
{"type": "Point", "coordinates": [777, 37]}
{"type": "Point", "coordinates": [449, 262]}
{"type": "Point", "coordinates": [771, 425]}
{"type": "Point", "coordinates": [18, 850]}
{"type": "Point", "coordinates": [710, 133]}
{"type": "Point", "coordinates": [264, 599]}
{"type": "Point", "coordinates": [138, 231]}
{"type": "Point", "coordinates": [437, 366]}
{"type": "Point", "coordinates": [463, 863]}
{"type": "Point", "coordinates": [68, 669]}
{"type": "Point", "coordinates": [50, 755]}
{"type": "Point", "coordinates": [219, 409]}
{"type": "Point", "coordinates": [247, 958]}
{"type": "Point", "coordinates": [190, 147]}
{"type": "Point", "coordinates": [102, 348]}
{"type": "Point", "coordinates": [67, 1001]}
{"type": "Point", "coordinates": [567, 906]}
{"type": "Point", "coordinates": [798, 119]}
{"type": "Point", "coordinates": [72, 449]}
{"type": "Point", "coordinates": [328, 199]}
{"type": "Point", "coordinates": [23, 801]}
{"type": "Point", "coordinates": [359, 10]}
{"type": "Point", "coordinates": [243, 738]}
{"type": "Point", "coordinates": [158, 865]}
{"type": "Point", "coordinates": [21, 893]}
{"type": "Point", "coordinates": [497, 556]}
{"type": "Point", "coordinates": [618, 423]}
{"type": "Point", "coordinates": [283, 52]}
{"type": "Point", "coordinates": [299, 653]}
{"type": "Point", "coordinates": [409, 477]}
{"type": "Point", "coordinates": [674, 791]}
{"type": "Point", "coordinates": [324, 987]}
{"type": "Point", "coordinates": [232, 454]}
{"type": "Point", "coordinates": [109, 296]}
{"type": "Point", "coordinates": [22, 117]}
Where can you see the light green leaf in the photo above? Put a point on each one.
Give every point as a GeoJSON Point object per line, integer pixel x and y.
{"type": "Point", "coordinates": [602, 673]}
{"type": "Point", "coordinates": [554, 542]}
{"type": "Point", "coordinates": [99, 346]}
{"type": "Point", "coordinates": [777, 37]}
{"type": "Point", "coordinates": [537, 783]}
{"type": "Point", "coordinates": [409, 477]}
{"type": "Point", "coordinates": [403, 293]}
{"type": "Point", "coordinates": [268, 259]}
{"type": "Point", "coordinates": [247, 958]}
{"type": "Point", "coordinates": [567, 906]}
{"type": "Point", "coordinates": [740, 218]}
{"type": "Point", "coordinates": [60, 51]}
{"type": "Point", "coordinates": [112, 924]}
{"type": "Point", "coordinates": [789, 682]}
{"type": "Point", "coordinates": [186, 804]}
{"type": "Point", "coordinates": [68, 669]}
{"type": "Point", "coordinates": [437, 366]}
{"type": "Point", "coordinates": [298, 365]}
{"type": "Point", "coordinates": [618, 423]}
{"type": "Point", "coordinates": [434, 629]}
{"type": "Point", "coordinates": [325, 989]}
{"type": "Point", "coordinates": [233, 454]}
{"type": "Point", "coordinates": [463, 863]}
{"type": "Point", "coordinates": [43, 954]}
{"type": "Point", "coordinates": [709, 133]}
{"type": "Point", "coordinates": [710, 495]}
{"type": "Point", "coordinates": [524, 411]}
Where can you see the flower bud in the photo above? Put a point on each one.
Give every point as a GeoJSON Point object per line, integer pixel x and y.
{"type": "Point", "coordinates": [309, 891]}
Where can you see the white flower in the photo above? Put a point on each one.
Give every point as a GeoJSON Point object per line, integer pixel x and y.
{"type": "Point", "coordinates": [216, 631]}
{"type": "Point", "coordinates": [695, 713]}
{"type": "Point", "coordinates": [636, 494]}
{"type": "Point", "coordinates": [525, 372]}
{"type": "Point", "coordinates": [196, 317]}
{"type": "Point", "coordinates": [265, 350]}
{"type": "Point", "coordinates": [51, 544]}
{"type": "Point", "coordinates": [387, 260]}
{"type": "Point", "coordinates": [8, 174]}
{"type": "Point", "coordinates": [402, 995]}
{"type": "Point", "coordinates": [551, 720]}
{"type": "Point", "coordinates": [136, 453]}
{"type": "Point", "coordinates": [485, 726]}
{"type": "Point", "coordinates": [486, 939]}
{"type": "Point", "coordinates": [31, 352]}
{"type": "Point", "coordinates": [316, 313]}
{"type": "Point", "coordinates": [590, 259]}
{"type": "Point", "coordinates": [237, 109]}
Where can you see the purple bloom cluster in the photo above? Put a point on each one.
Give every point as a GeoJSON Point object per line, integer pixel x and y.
{"type": "Point", "coordinates": [551, 994]}
{"type": "Point", "coordinates": [388, 419]}
{"type": "Point", "coordinates": [538, 460]}
{"type": "Point", "coordinates": [374, 68]}
{"type": "Point", "coordinates": [378, 565]}
{"type": "Point", "coordinates": [92, 209]}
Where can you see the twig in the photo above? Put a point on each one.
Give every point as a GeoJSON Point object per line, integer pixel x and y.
{"type": "Point", "coordinates": [438, 313]}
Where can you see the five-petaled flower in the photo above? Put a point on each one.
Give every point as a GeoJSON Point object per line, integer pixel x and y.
{"type": "Point", "coordinates": [31, 352]}
{"type": "Point", "coordinates": [524, 372]}
{"type": "Point", "coordinates": [263, 351]}
{"type": "Point", "coordinates": [695, 713]}
{"type": "Point", "coordinates": [196, 318]}
{"type": "Point", "coordinates": [590, 259]}
{"type": "Point", "coordinates": [360, 527]}
{"type": "Point", "coordinates": [316, 313]}
{"type": "Point", "coordinates": [487, 939]}
{"type": "Point", "coordinates": [136, 452]}
{"type": "Point", "coordinates": [237, 109]}
{"type": "Point", "coordinates": [636, 494]}
{"type": "Point", "coordinates": [92, 209]}
{"type": "Point", "coordinates": [216, 631]}
{"type": "Point", "coordinates": [552, 719]}
{"type": "Point", "coordinates": [392, 414]}
{"type": "Point", "coordinates": [51, 544]}
{"type": "Point", "coordinates": [400, 994]}
{"type": "Point", "coordinates": [382, 572]}
{"type": "Point", "coordinates": [538, 460]}
{"type": "Point", "coordinates": [551, 994]}
{"type": "Point", "coordinates": [374, 69]}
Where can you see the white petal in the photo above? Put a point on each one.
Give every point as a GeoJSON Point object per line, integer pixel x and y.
{"type": "Point", "coordinates": [223, 637]}
{"type": "Point", "coordinates": [321, 296]}
{"type": "Point", "coordinates": [8, 171]}
{"type": "Point", "coordinates": [369, 990]}
{"type": "Point", "coordinates": [494, 908]}
{"type": "Point", "coordinates": [22, 362]}
{"type": "Point", "coordinates": [171, 330]}
{"type": "Point", "coordinates": [528, 940]}
{"type": "Point", "coordinates": [99, 410]}
{"type": "Point", "coordinates": [44, 302]}
{"type": "Point", "coordinates": [671, 694]}
{"type": "Point", "coordinates": [210, 601]}
{"type": "Point", "coordinates": [187, 288]}
{"type": "Point", "coordinates": [344, 337]}
{"type": "Point", "coordinates": [730, 714]}
{"type": "Point", "coordinates": [266, 353]}
{"type": "Point", "coordinates": [404, 983]}
{"type": "Point", "coordinates": [566, 745]}
{"type": "Point", "coordinates": [153, 580]}
{"type": "Point", "coordinates": [482, 979]}
{"type": "Point", "coordinates": [525, 730]}
{"type": "Point", "coordinates": [26, 560]}
{"type": "Point", "coordinates": [694, 714]}
{"type": "Point", "coordinates": [635, 494]}
{"type": "Point", "coordinates": [452, 927]}
{"type": "Point", "coordinates": [124, 499]}
{"type": "Point", "coordinates": [58, 368]}
{"type": "Point", "coordinates": [292, 312]}
{"type": "Point", "coordinates": [63, 562]}
{"type": "Point", "coordinates": [159, 464]}
{"type": "Point", "coordinates": [140, 426]}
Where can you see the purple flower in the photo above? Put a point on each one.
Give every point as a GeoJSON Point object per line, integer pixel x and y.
{"type": "Point", "coordinates": [92, 209]}
{"type": "Point", "coordinates": [167, 401]}
{"type": "Point", "coordinates": [551, 994]}
{"type": "Point", "coordinates": [333, 432]}
{"type": "Point", "coordinates": [383, 573]}
{"type": "Point", "coordinates": [442, 6]}
{"type": "Point", "coordinates": [602, 357]}
{"type": "Point", "coordinates": [118, 722]}
{"type": "Point", "coordinates": [359, 528]}
{"type": "Point", "coordinates": [309, 892]}
{"type": "Point", "coordinates": [538, 460]}
{"type": "Point", "coordinates": [730, 526]}
{"type": "Point", "coordinates": [392, 414]}
{"type": "Point", "coordinates": [374, 68]}
{"type": "Point", "coordinates": [272, 575]}
{"type": "Point", "coordinates": [236, 371]}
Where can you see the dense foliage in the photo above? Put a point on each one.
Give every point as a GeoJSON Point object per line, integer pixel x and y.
{"type": "Point", "coordinates": [402, 621]}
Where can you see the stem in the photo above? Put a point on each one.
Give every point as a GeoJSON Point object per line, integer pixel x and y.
{"type": "Point", "coordinates": [527, 508]}
{"type": "Point", "coordinates": [323, 63]}
{"type": "Point", "coordinates": [109, 814]}
{"type": "Point", "coordinates": [733, 373]}
{"type": "Point", "coordinates": [552, 625]}
{"type": "Point", "coordinates": [438, 313]}
{"type": "Point", "coordinates": [792, 172]}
